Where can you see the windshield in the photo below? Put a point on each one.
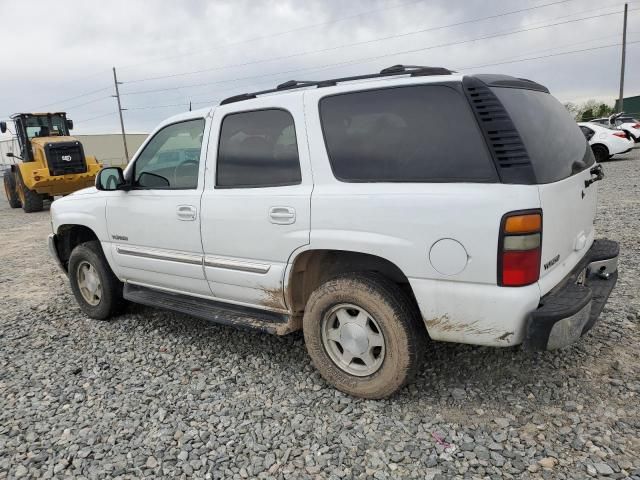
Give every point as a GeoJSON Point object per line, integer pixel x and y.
{"type": "Point", "coordinates": [45, 126]}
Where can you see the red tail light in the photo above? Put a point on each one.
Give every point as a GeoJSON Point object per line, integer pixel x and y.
{"type": "Point", "coordinates": [519, 248]}
{"type": "Point", "coordinates": [620, 134]}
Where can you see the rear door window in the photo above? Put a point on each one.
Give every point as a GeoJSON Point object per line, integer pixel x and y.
{"type": "Point", "coordinates": [556, 146]}
{"type": "Point", "coordinates": [258, 149]}
{"type": "Point", "coordinates": [423, 133]}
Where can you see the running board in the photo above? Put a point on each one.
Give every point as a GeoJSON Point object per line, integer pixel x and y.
{"type": "Point", "coordinates": [211, 310]}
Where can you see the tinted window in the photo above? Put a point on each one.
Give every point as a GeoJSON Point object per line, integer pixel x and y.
{"type": "Point", "coordinates": [556, 146]}
{"type": "Point", "coordinates": [171, 158]}
{"type": "Point", "coordinates": [405, 134]}
{"type": "Point", "coordinates": [588, 133]}
{"type": "Point", "coordinates": [622, 120]}
{"type": "Point", "coordinates": [258, 149]}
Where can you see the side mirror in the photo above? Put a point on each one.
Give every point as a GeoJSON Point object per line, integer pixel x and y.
{"type": "Point", "coordinates": [69, 124]}
{"type": "Point", "coordinates": [3, 127]}
{"type": "Point", "coordinates": [109, 179]}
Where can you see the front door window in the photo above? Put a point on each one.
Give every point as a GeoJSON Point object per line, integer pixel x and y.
{"type": "Point", "coordinates": [172, 158]}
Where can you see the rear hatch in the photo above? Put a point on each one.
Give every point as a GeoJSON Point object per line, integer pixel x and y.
{"type": "Point", "coordinates": [561, 161]}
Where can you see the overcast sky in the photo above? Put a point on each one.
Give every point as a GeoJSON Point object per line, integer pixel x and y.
{"type": "Point", "coordinates": [68, 49]}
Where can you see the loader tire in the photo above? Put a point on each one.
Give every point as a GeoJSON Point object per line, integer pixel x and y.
{"type": "Point", "coordinates": [31, 201]}
{"type": "Point", "coordinates": [10, 189]}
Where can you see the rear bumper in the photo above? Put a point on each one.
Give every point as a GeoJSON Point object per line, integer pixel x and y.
{"type": "Point", "coordinates": [571, 309]}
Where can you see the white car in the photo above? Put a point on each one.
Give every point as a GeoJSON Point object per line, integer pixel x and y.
{"type": "Point", "coordinates": [352, 210]}
{"type": "Point", "coordinates": [623, 122]}
{"type": "Point", "coordinates": [605, 141]}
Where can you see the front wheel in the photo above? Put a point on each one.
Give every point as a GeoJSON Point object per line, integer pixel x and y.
{"type": "Point", "coordinates": [364, 334]}
{"type": "Point", "coordinates": [97, 290]}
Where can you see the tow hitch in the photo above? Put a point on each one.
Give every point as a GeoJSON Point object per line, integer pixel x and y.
{"type": "Point", "coordinates": [599, 175]}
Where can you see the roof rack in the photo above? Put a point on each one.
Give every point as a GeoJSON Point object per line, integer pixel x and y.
{"type": "Point", "coordinates": [412, 70]}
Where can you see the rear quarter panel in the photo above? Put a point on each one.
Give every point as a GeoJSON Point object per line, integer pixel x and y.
{"type": "Point", "coordinates": [401, 222]}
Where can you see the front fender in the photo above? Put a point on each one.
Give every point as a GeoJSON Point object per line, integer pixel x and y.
{"type": "Point", "coordinates": [85, 210]}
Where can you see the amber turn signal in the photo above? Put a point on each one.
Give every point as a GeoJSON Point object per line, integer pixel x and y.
{"type": "Point", "coordinates": [523, 223]}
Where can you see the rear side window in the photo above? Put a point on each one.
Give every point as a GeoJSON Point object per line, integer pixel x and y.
{"type": "Point", "coordinates": [258, 149]}
{"type": "Point", "coordinates": [421, 133]}
{"type": "Point", "coordinates": [556, 146]}
{"type": "Point", "coordinates": [587, 132]}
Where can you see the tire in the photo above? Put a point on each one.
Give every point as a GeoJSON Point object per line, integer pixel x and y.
{"type": "Point", "coordinates": [387, 308]}
{"type": "Point", "coordinates": [601, 153]}
{"type": "Point", "coordinates": [88, 258]}
{"type": "Point", "coordinates": [10, 189]}
{"type": "Point", "coordinates": [31, 201]}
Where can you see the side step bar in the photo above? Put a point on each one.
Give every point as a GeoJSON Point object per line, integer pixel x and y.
{"type": "Point", "coordinates": [217, 312]}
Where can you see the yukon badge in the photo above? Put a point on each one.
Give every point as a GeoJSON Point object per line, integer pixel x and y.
{"type": "Point", "coordinates": [120, 237]}
{"type": "Point", "coordinates": [552, 262]}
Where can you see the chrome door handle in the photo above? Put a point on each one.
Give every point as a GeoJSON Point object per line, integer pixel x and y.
{"type": "Point", "coordinates": [186, 212]}
{"type": "Point", "coordinates": [282, 215]}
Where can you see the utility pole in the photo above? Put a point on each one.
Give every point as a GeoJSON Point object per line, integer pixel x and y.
{"type": "Point", "coordinates": [624, 51]}
{"type": "Point", "coordinates": [117, 95]}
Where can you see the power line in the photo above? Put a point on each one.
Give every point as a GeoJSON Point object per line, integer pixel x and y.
{"type": "Point", "coordinates": [277, 34]}
{"type": "Point", "coordinates": [358, 15]}
{"type": "Point", "coordinates": [338, 47]}
{"type": "Point", "coordinates": [547, 56]}
{"type": "Point", "coordinates": [86, 94]}
{"type": "Point", "coordinates": [377, 57]}
{"type": "Point", "coordinates": [555, 48]}
{"type": "Point", "coordinates": [502, 62]}
{"type": "Point", "coordinates": [147, 107]}
{"type": "Point", "coordinates": [85, 120]}
{"type": "Point", "coordinates": [71, 107]}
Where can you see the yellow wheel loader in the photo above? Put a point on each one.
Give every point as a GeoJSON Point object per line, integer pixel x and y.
{"type": "Point", "coordinates": [52, 162]}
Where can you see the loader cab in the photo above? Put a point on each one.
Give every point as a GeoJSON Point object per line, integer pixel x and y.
{"type": "Point", "coordinates": [34, 125]}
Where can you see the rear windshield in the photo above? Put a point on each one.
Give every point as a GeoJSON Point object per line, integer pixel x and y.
{"type": "Point", "coordinates": [556, 146]}
{"type": "Point", "coordinates": [404, 134]}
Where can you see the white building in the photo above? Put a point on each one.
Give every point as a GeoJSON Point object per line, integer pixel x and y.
{"type": "Point", "coordinates": [107, 148]}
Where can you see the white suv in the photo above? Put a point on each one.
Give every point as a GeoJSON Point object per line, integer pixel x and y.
{"type": "Point", "coordinates": [372, 212]}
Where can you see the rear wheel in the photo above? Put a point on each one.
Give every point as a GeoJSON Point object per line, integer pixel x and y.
{"type": "Point", "coordinates": [10, 189]}
{"type": "Point", "coordinates": [97, 290]}
{"type": "Point", "coordinates": [31, 201]}
{"type": "Point", "coordinates": [601, 153]}
{"type": "Point", "coordinates": [364, 334]}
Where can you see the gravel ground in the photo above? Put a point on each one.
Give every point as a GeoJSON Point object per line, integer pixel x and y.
{"type": "Point", "coordinates": [155, 394]}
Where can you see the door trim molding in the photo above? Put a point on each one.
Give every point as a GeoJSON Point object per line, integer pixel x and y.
{"type": "Point", "coordinates": [228, 264]}
{"type": "Point", "coordinates": [193, 259]}
{"type": "Point", "coordinates": [155, 254]}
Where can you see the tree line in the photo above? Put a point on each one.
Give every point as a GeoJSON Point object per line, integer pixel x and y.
{"type": "Point", "coordinates": [583, 112]}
